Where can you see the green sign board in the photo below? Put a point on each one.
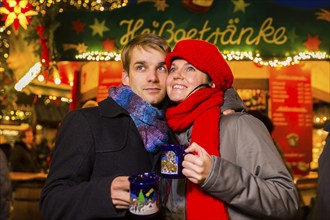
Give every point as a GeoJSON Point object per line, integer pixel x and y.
{"type": "Point", "coordinates": [256, 27]}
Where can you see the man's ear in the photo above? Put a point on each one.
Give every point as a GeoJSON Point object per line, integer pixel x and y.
{"type": "Point", "coordinates": [212, 85]}
{"type": "Point", "coordinates": [125, 78]}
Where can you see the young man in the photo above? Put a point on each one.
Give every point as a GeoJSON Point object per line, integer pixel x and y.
{"type": "Point", "coordinates": [99, 147]}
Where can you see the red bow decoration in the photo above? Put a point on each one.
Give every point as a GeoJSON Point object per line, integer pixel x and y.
{"type": "Point", "coordinates": [44, 49]}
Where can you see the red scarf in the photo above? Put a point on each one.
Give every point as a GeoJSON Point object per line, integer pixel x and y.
{"type": "Point", "coordinates": [202, 110]}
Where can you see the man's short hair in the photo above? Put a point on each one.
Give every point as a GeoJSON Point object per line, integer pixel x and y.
{"type": "Point", "coordinates": [145, 41]}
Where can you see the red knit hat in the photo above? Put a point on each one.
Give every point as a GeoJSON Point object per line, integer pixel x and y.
{"type": "Point", "coordinates": [207, 58]}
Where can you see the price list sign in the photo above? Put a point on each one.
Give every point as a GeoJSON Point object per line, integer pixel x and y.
{"type": "Point", "coordinates": [292, 115]}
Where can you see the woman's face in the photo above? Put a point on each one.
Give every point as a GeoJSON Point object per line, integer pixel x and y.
{"type": "Point", "coordinates": [182, 79]}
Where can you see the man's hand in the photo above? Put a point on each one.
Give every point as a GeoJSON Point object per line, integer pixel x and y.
{"type": "Point", "coordinates": [120, 192]}
{"type": "Point", "coordinates": [197, 166]}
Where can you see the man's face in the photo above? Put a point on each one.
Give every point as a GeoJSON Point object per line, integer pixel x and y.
{"type": "Point", "coordinates": [147, 75]}
{"type": "Point", "coordinates": [29, 137]}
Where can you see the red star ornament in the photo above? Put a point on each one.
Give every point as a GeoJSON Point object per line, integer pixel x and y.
{"type": "Point", "coordinates": [109, 45]}
{"type": "Point", "coordinates": [312, 43]}
{"type": "Point", "coordinates": [78, 26]}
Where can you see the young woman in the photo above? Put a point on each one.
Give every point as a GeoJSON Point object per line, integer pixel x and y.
{"type": "Point", "coordinates": [235, 171]}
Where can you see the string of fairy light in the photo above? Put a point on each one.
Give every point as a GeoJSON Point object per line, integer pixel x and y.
{"type": "Point", "coordinates": [98, 5]}
{"type": "Point", "coordinates": [228, 55]}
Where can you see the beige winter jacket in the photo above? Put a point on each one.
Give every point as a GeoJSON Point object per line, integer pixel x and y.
{"type": "Point", "coordinates": [250, 176]}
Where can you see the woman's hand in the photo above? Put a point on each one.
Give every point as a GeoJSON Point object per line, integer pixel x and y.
{"type": "Point", "coordinates": [196, 166]}
{"type": "Point", "coordinates": [120, 192]}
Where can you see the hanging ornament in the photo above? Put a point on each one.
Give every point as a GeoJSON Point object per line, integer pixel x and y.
{"type": "Point", "coordinates": [44, 49]}
{"type": "Point", "coordinates": [17, 12]}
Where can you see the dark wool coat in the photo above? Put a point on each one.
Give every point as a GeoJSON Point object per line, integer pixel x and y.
{"type": "Point", "coordinates": [94, 145]}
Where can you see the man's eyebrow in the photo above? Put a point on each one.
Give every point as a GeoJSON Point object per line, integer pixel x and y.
{"type": "Point", "coordinates": [140, 62]}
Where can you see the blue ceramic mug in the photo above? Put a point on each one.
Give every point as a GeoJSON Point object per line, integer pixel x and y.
{"type": "Point", "coordinates": [171, 160]}
{"type": "Point", "coordinates": [144, 194]}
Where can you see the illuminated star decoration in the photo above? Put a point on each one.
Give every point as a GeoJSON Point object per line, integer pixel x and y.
{"type": "Point", "coordinates": [323, 15]}
{"type": "Point", "coordinates": [160, 5]}
{"type": "Point", "coordinates": [312, 43]}
{"type": "Point", "coordinates": [98, 28]}
{"type": "Point", "coordinates": [78, 26]}
{"type": "Point", "coordinates": [81, 48]}
{"type": "Point", "coordinates": [240, 5]}
{"type": "Point", "coordinates": [17, 12]}
{"type": "Point", "coordinates": [109, 45]}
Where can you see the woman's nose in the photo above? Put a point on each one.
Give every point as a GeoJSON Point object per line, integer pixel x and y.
{"type": "Point", "coordinates": [177, 74]}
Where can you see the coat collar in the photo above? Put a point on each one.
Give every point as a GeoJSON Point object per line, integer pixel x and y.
{"type": "Point", "coordinates": [109, 108]}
